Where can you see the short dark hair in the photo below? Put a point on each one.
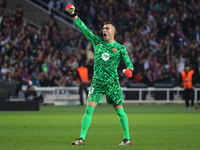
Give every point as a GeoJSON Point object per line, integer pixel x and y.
{"type": "Point", "coordinates": [110, 22]}
{"type": "Point", "coordinates": [81, 63]}
{"type": "Point", "coordinates": [187, 64]}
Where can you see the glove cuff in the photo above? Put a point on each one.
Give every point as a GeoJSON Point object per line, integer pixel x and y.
{"type": "Point", "coordinates": [73, 15]}
{"type": "Point", "coordinates": [130, 70]}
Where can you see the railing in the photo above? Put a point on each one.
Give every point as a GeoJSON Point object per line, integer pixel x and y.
{"type": "Point", "coordinates": [56, 91]}
{"type": "Point", "coordinates": [57, 14]}
{"type": "Point", "coordinates": [152, 89]}
{"type": "Point", "coordinates": [27, 21]}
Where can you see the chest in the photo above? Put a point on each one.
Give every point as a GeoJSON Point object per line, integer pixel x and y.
{"type": "Point", "coordinates": [107, 52]}
{"type": "Point", "coordinates": [187, 76]}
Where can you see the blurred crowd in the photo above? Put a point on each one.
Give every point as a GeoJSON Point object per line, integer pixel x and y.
{"type": "Point", "coordinates": [161, 36]}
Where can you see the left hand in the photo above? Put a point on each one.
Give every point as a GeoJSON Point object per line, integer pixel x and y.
{"type": "Point", "coordinates": [128, 72]}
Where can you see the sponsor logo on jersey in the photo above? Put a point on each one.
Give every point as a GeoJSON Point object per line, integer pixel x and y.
{"type": "Point", "coordinates": [114, 50]}
{"type": "Point", "coordinates": [105, 56]}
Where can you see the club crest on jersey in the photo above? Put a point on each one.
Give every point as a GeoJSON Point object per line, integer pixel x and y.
{"type": "Point", "coordinates": [114, 50]}
{"type": "Point", "coordinates": [105, 56]}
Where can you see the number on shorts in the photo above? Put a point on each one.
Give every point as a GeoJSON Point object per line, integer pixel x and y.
{"type": "Point", "coordinates": [91, 90]}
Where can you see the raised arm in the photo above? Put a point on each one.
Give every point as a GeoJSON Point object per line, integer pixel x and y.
{"type": "Point", "coordinates": [79, 23]}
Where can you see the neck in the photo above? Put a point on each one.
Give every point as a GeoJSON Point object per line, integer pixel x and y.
{"type": "Point", "coordinates": [110, 41]}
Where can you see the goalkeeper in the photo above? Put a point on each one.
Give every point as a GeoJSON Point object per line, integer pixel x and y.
{"type": "Point", "coordinates": [105, 80]}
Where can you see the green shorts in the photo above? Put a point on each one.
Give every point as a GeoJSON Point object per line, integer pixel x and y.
{"type": "Point", "coordinates": [112, 90]}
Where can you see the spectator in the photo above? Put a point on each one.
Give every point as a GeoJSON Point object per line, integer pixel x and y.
{"type": "Point", "coordinates": [55, 4]}
{"type": "Point", "coordinates": [35, 77]}
{"type": "Point", "coordinates": [138, 77]}
{"type": "Point", "coordinates": [128, 45]}
{"type": "Point", "coordinates": [89, 52]}
{"type": "Point", "coordinates": [58, 79]}
{"type": "Point", "coordinates": [4, 71]}
{"type": "Point", "coordinates": [169, 77]}
{"type": "Point", "coordinates": [163, 33]}
{"type": "Point", "coordinates": [26, 78]}
{"type": "Point", "coordinates": [31, 95]}
{"type": "Point", "coordinates": [90, 66]}
{"type": "Point", "coordinates": [148, 78]}
{"type": "Point", "coordinates": [19, 15]}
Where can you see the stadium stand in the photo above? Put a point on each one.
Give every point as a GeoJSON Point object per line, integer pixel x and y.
{"type": "Point", "coordinates": [160, 36]}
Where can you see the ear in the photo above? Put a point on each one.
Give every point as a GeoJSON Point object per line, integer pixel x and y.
{"type": "Point", "coordinates": [113, 32]}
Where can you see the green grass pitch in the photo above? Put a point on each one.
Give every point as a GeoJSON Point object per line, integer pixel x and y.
{"type": "Point", "coordinates": [152, 127]}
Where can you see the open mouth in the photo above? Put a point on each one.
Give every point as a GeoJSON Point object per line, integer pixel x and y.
{"type": "Point", "coordinates": [104, 35]}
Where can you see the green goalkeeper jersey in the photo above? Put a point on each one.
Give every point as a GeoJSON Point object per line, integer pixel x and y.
{"type": "Point", "coordinates": [106, 55]}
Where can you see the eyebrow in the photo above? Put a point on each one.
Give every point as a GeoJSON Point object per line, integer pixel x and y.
{"type": "Point", "coordinates": [105, 27]}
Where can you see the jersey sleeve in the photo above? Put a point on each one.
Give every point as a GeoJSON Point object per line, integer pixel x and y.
{"type": "Point", "coordinates": [92, 38]}
{"type": "Point", "coordinates": [126, 59]}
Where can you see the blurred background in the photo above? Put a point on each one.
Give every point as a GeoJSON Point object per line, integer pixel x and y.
{"type": "Point", "coordinates": [40, 44]}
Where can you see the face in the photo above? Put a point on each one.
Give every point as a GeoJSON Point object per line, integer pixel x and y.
{"type": "Point", "coordinates": [108, 32]}
{"type": "Point", "coordinates": [187, 68]}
